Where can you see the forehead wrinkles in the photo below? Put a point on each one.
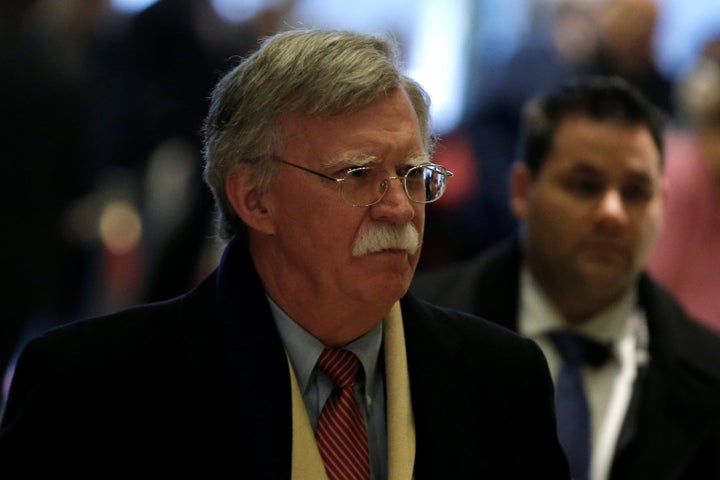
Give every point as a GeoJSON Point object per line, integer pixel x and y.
{"type": "Point", "coordinates": [361, 140]}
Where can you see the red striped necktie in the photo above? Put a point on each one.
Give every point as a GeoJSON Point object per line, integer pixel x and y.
{"type": "Point", "coordinates": [341, 435]}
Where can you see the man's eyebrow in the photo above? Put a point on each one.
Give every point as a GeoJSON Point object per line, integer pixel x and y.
{"type": "Point", "coordinates": [641, 176]}
{"type": "Point", "coordinates": [365, 160]}
{"type": "Point", "coordinates": [352, 159]}
{"type": "Point", "coordinates": [419, 159]}
{"type": "Point", "coordinates": [633, 175]}
{"type": "Point", "coordinates": [583, 168]}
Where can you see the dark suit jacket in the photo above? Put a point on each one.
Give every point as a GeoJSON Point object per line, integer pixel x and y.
{"type": "Point", "coordinates": [673, 428]}
{"type": "Point", "coordinates": [202, 381]}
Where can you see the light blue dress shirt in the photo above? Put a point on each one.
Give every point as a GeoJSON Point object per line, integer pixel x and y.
{"type": "Point", "coordinates": [304, 351]}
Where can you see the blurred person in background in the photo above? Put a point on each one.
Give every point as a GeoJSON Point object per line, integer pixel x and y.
{"type": "Point", "coordinates": [589, 192]}
{"type": "Point", "coordinates": [627, 34]}
{"type": "Point", "coordinates": [48, 164]}
{"type": "Point", "coordinates": [561, 39]}
{"type": "Point", "coordinates": [318, 152]}
{"type": "Point", "coordinates": [686, 257]}
{"type": "Point", "coordinates": [170, 54]}
{"type": "Point", "coordinates": [564, 39]}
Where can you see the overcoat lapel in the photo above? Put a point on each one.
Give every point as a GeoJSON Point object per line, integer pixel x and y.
{"type": "Point", "coordinates": [261, 380]}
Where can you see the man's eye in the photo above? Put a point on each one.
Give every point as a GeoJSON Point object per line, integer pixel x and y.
{"type": "Point", "coordinates": [637, 194]}
{"type": "Point", "coordinates": [583, 187]}
{"type": "Point", "coordinates": [411, 172]}
{"type": "Point", "coordinates": [358, 172]}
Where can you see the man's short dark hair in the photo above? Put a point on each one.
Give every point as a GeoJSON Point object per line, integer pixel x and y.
{"type": "Point", "coordinates": [602, 98]}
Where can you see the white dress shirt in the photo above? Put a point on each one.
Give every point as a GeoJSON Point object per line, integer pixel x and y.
{"type": "Point", "coordinates": [608, 387]}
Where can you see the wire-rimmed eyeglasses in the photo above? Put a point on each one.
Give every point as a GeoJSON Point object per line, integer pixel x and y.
{"type": "Point", "coordinates": [365, 186]}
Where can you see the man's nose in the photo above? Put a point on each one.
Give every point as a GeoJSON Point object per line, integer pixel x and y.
{"type": "Point", "coordinates": [395, 187]}
{"type": "Point", "coordinates": [612, 207]}
{"type": "Point", "coordinates": [395, 202]}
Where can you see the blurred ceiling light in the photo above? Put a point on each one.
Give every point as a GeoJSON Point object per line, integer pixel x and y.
{"type": "Point", "coordinates": [130, 6]}
{"type": "Point", "coordinates": [234, 11]}
{"type": "Point", "coordinates": [237, 11]}
{"type": "Point", "coordinates": [120, 227]}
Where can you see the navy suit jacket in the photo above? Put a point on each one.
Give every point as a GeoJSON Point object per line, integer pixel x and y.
{"type": "Point", "coordinates": [201, 383]}
{"type": "Point", "coordinates": [672, 430]}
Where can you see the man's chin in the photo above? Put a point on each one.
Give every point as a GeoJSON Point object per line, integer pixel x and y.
{"type": "Point", "coordinates": [390, 285]}
{"type": "Point", "coordinates": [606, 276]}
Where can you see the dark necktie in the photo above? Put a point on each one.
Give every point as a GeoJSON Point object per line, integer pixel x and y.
{"type": "Point", "coordinates": [341, 434]}
{"type": "Point", "coordinates": [571, 406]}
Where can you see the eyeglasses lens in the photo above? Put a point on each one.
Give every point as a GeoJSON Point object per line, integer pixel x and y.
{"type": "Point", "coordinates": [367, 185]}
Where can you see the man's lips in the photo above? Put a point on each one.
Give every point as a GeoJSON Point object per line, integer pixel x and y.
{"type": "Point", "coordinates": [606, 247]}
{"type": "Point", "coordinates": [391, 250]}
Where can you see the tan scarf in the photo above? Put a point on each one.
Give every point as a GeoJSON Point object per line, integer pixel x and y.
{"type": "Point", "coordinates": [306, 461]}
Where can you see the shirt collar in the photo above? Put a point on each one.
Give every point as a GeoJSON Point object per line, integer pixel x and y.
{"type": "Point", "coordinates": [304, 349]}
{"type": "Point", "coordinates": [538, 315]}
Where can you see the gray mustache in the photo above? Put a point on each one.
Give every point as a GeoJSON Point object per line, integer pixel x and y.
{"type": "Point", "coordinates": [385, 237]}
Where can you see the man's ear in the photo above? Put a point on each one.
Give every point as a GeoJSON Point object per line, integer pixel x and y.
{"type": "Point", "coordinates": [248, 201]}
{"type": "Point", "coordinates": [520, 183]}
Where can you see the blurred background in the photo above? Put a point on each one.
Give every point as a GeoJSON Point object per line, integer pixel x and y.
{"type": "Point", "coordinates": [103, 100]}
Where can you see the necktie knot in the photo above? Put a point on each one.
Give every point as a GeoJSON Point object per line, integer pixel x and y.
{"type": "Point", "coordinates": [577, 349]}
{"type": "Point", "coordinates": [340, 365]}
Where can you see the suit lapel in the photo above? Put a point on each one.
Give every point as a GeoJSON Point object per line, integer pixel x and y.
{"type": "Point", "coordinates": [261, 380]}
{"type": "Point", "coordinates": [669, 423]}
{"type": "Point", "coordinates": [446, 415]}
{"type": "Point", "coordinates": [671, 403]}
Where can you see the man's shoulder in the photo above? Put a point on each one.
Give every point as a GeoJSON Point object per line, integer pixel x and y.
{"type": "Point", "coordinates": [462, 284]}
{"type": "Point", "coordinates": [127, 331]}
{"type": "Point", "coordinates": [675, 334]}
{"type": "Point", "coordinates": [448, 325]}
